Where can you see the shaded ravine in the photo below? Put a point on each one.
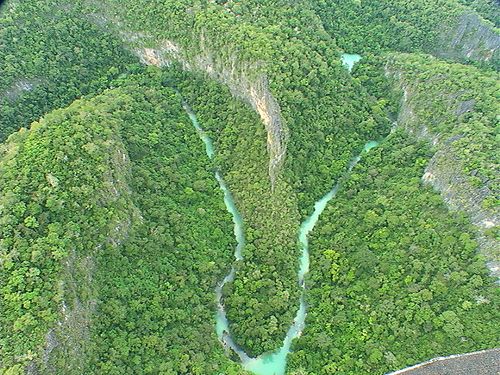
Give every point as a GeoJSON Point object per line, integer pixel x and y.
{"type": "Point", "coordinates": [222, 323]}
{"type": "Point", "coordinates": [269, 363]}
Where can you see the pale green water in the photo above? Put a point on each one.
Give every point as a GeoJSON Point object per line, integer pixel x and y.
{"type": "Point", "coordinates": [348, 60]}
{"type": "Point", "coordinates": [222, 324]}
{"type": "Point", "coordinates": [269, 363]}
{"type": "Point", "coordinates": [209, 147]}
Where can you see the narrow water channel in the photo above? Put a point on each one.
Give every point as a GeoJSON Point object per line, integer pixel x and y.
{"type": "Point", "coordinates": [269, 363]}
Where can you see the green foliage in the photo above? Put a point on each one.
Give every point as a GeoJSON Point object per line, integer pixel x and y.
{"type": "Point", "coordinates": [113, 225]}
{"type": "Point", "coordinates": [329, 114]}
{"type": "Point", "coordinates": [458, 105]}
{"type": "Point", "coordinates": [56, 201]}
{"type": "Point", "coordinates": [369, 26]}
{"type": "Point", "coordinates": [104, 190]}
{"type": "Point", "coordinates": [320, 103]}
{"type": "Point", "coordinates": [410, 287]}
{"type": "Point", "coordinates": [159, 317]}
{"type": "Point", "coordinates": [50, 56]}
{"type": "Point", "coordinates": [261, 303]}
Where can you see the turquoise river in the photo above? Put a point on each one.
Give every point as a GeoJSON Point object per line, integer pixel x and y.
{"type": "Point", "coordinates": [269, 363]}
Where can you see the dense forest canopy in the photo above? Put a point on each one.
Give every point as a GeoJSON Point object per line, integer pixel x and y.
{"type": "Point", "coordinates": [114, 232]}
{"type": "Point", "coordinates": [393, 267]}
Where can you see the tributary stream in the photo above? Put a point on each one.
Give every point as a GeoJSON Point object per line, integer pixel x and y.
{"type": "Point", "coordinates": [269, 363]}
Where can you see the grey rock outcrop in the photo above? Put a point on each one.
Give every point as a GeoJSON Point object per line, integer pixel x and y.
{"type": "Point", "coordinates": [67, 342]}
{"type": "Point", "coordinates": [245, 81]}
{"type": "Point", "coordinates": [470, 38]}
{"type": "Point", "coordinates": [445, 172]}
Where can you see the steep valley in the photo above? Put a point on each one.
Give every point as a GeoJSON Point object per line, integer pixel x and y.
{"type": "Point", "coordinates": [259, 187]}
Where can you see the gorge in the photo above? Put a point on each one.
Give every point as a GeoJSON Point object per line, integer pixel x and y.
{"type": "Point", "coordinates": [224, 187]}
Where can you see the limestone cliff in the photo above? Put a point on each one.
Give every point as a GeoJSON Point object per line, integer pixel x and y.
{"type": "Point", "coordinates": [243, 79]}
{"type": "Point", "coordinates": [445, 171]}
{"type": "Point", "coordinates": [246, 80]}
{"type": "Point", "coordinates": [67, 342]}
{"type": "Point", "coordinates": [470, 37]}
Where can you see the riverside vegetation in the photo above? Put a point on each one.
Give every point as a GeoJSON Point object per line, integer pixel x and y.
{"type": "Point", "coordinates": [114, 233]}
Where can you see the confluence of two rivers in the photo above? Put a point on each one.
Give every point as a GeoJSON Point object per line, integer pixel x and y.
{"type": "Point", "coordinates": [269, 363]}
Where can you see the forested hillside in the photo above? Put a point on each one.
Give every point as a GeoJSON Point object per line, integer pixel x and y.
{"type": "Point", "coordinates": [396, 278]}
{"type": "Point", "coordinates": [487, 8]}
{"type": "Point", "coordinates": [59, 207]}
{"type": "Point", "coordinates": [50, 59]}
{"type": "Point", "coordinates": [139, 145]}
{"type": "Point", "coordinates": [367, 193]}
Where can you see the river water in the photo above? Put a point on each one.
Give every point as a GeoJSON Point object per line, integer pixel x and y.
{"type": "Point", "coordinates": [269, 363]}
{"type": "Point", "coordinates": [348, 60]}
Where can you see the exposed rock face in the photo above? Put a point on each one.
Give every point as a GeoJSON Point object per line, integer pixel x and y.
{"type": "Point", "coordinates": [472, 38]}
{"type": "Point", "coordinates": [70, 336]}
{"type": "Point", "coordinates": [445, 173]}
{"type": "Point", "coordinates": [244, 80]}
{"type": "Point", "coordinates": [68, 339]}
{"type": "Point", "coordinates": [20, 86]}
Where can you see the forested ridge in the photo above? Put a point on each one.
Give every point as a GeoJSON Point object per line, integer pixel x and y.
{"type": "Point", "coordinates": [114, 232]}
{"type": "Point", "coordinates": [58, 203]}
{"type": "Point", "coordinates": [265, 289]}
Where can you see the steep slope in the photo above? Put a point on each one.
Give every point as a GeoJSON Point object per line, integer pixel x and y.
{"type": "Point", "coordinates": [115, 242]}
{"type": "Point", "coordinates": [489, 9]}
{"type": "Point", "coordinates": [262, 301]}
{"type": "Point", "coordinates": [159, 317]}
{"type": "Point", "coordinates": [455, 108]}
{"type": "Point", "coordinates": [245, 59]}
{"type": "Point", "coordinates": [395, 278]}
{"type": "Point", "coordinates": [469, 38]}
{"type": "Point", "coordinates": [65, 198]}
{"type": "Point", "coordinates": [275, 56]}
